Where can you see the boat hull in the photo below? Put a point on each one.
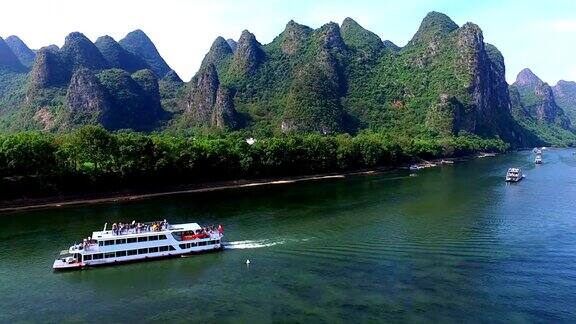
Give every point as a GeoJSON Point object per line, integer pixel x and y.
{"type": "Point", "coordinates": [81, 265]}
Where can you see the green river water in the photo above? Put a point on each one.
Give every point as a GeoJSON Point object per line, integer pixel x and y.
{"type": "Point", "coordinates": [453, 244]}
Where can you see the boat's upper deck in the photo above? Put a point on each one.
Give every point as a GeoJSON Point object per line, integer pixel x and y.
{"type": "Point", "coordinates": [134, 231]}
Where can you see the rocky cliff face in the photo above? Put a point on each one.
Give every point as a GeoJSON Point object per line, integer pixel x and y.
{"type": "Point", "coordinates": [232, 43]}
{"type": "Point", "coordinates": [86, 99]}
{"type": "Point", "coordinates": [49, 69]}
{"type": "Point", "coordinates": [138, 43]}
{"type": "Point", "coordinates": [24, 54]}
{"type": "Point", "coordinates": [248, 57]}
{"type": "Point", "coordinates": [94, 83]}
{"type": "Point", "coordinates": [391, 46]}
{"type": "Point", "coordinates": [487, 84]}
{"type": "Point", "coordinates": [54, 67]}
{"type": "Point", "coordinates": [118, 57]}
{"type": "Point", "coordinates": [536, 99]}
{"type": "Point", "coordinates": [220, 55]}
{"type": "Point", "coordinates": [314, 98]}
{"type": "Point", "coordinates": [207, 103]}
{"type": "Point", "coordinates": [294, 37]}
{"type": "Point", "coordinates": [134, 100]}
{"type": "Point", "coordinates": [8, 60]}
{"type": "Point", "coordinates": [224, 114]}
{"type": "Point", "coordinates": [565, 97]}
{"type": "Point", "coordinates": [78, 51]}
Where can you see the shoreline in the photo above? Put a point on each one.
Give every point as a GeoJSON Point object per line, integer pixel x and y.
{"type": "Point", "coordinates": [131, 195]}
{"type": "Point", "coordinates": [117, 197]}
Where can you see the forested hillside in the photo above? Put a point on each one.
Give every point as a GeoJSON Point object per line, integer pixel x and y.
{"type": "Point", "coordinates": [334, 79]}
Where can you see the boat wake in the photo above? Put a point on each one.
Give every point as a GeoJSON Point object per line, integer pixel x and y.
{"type": "Point", "coordinates": [251, 244]}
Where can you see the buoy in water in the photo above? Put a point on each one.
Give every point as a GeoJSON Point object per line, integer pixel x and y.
{"type": "Point", "coordinates": [247, 262]}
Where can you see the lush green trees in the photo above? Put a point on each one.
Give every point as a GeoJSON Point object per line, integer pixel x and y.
{"type": "Point", "coordinates": [27, 153]}
{"type": "Point", "coordinates": [90, 158]}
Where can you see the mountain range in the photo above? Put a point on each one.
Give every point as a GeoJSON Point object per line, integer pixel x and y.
{"type": "Point", "coordinates": [336, 78]}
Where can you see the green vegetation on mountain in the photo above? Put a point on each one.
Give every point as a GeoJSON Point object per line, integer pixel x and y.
{"type": "Point", "coordinates": [24, 54]}
{"type": "Point", "coordinates": [138, 43]}
{"type": "Point", "coordinates": [135, 99]}
{"type": "Point", "coordinates": [534, 106]}
{"type": "Point", "coordinates": [118, 57]}
{"type": "Point", "coordinates": [565, 97]}
{"type": "Point", "coordinates": [334, 79]}
{"type": "Point", "coordinates": [171, 88]}
{"type": "Point", "coordinates": [8, 60]}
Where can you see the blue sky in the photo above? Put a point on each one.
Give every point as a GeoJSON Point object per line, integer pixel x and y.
{"type": "Point", "coordinates": [540, 35]}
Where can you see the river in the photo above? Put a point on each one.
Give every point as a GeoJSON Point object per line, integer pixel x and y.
{"type": "Point", "coordinates": [454, 243]}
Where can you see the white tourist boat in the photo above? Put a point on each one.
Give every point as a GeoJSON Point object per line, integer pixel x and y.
{"type": "Point", "coordinates": [514, 175]}
{"type": "Point", "coordinates": [538, 159]}
{"type": "Point", "coordinates": [138, 242]}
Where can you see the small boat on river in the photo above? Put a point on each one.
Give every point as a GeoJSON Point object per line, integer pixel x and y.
{"type": "Point", "coordinates": [138, 242]}
{"type": "Point", "coordinates": [514, 175]}
{"type": "Point", "coordinates": [538, 159]}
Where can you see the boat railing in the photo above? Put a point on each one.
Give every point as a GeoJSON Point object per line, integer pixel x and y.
{"type": "Point", "coordinates": [133, 228]}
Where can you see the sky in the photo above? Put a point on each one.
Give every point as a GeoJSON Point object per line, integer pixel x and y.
{"type": "Point", "coordinates": [540, 35]}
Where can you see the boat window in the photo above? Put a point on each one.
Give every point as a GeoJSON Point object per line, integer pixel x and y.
{"type": "Point", "coordinates": [203, 243]}
{"type": "Point", "coordinates": [100, 243]}
{"type": "Point", "coordinates": [153, 238]}
{"type": "Point", "coordinates": [217, 241]}
{"type": "Point", "coordinates": [109, 255]}
{"type": "Point", "coordinates": [172, 248]}
{"type": "Point", "coordinates": [162, 237]}
{"type": "Point", "coordinates": [163, 248]}
{"type": "Point", "coordinates": [143, 239]}
{"type": "Point", "coordinates": [88, 257]}
{"type": "Point", "coordinates": [98, 256]}
{"type": "Point", "coordinates": [142, 251]}
{"type": "Point", "coordinates": [120, 253]}
{"type": "Point", "coordinates": [188, 245]}
{"type": "Point", "coordinates": [121, 241]}
{"type": "Point", "coordinates": [111, 242]}
{"type": "Point", "coordinates": [153, 250]}
{"type": "Point", "coordinates": [132, 252]}
{"type": "Point", "coordinates": [131, 240]}
{"type": "Point", "coordinates": [193, 244]}
{"type": "Point", "coordinates": [183, 246]}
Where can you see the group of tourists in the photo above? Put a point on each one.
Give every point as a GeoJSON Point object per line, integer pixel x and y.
{"type": "Point", "coordinates": [135, 228]}
{"type": "Point", "coordinates": [211, 229]}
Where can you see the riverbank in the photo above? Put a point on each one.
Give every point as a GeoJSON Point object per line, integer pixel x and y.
{"type": "Point", "coordinates": [135, 195]}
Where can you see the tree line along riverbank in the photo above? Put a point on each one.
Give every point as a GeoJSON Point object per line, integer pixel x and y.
{"type": "Point", "coordinates": [92, 160]}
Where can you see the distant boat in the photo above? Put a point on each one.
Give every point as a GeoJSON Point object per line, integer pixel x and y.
{"type": "Point", "coordinates": [484, 155]}
{"type": "Point", "coordinates": [424, 165]}
{"type": "Point", "coordinates": [514, 175]}
{"type": "Point", "coordinates": [538, 159]}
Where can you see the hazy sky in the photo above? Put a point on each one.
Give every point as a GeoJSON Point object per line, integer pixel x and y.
{"type": "Point", "coordinates": [536, 34]}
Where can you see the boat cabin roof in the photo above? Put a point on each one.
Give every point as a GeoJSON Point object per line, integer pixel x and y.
{"type": "Point", "coordinates": [109, 234]}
